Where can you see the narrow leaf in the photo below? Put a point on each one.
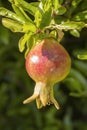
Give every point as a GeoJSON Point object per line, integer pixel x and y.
{"type": "Point", "coordinates": [56, 4]}
{"type": "Point", "coordinates": [81, 16]}
{"type": "Point", "coordinates": [81, 66]}
{"type": "Point", "coordinates": [77, 75]}
{"type": "Point", "coordinates": [30, 43]}
{"type": "Point", "coordinates": [27, 6]}
{"type": "Point", "coordinates": [9, 14]}
{"type": "Point", "coordinates": [81, 94]}
{"type": "Point", "coordinates": [14, 26]}
{"type": "Point", "coordinates": [61, 10]}
{"type": "Point", "coordinates": [82, 57]}
{"type": "Point", "coordinates": [22, 42]}
{"type": "Point", "coordinates": [29, 27]}
{"type": "Point", "coordinates": [45, 5]}
{"type": "Point", "coordinates": [72, 25]}
{"type": "Point", "coordinates": [73, 84]}
{"type": "Point", "coordinates": [20, 12]}
{"type": "Point", "coordinates": [46, 19]}
{"type": "Point", "coordinates": [38, 17]}
{"type": "Point", "coordinates": [75, 33]}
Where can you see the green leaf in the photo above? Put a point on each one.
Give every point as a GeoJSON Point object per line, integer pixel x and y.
{"type": "Point", "coordinates": [29, 7]}
{"type": "Point", "coordinates": [76, 82]}
{"type": "Point", "coordinates": [81, 94]}
{"type": "Point", "coordinates": [80, 54]}
{"type": "Point", "coordinates": [46, 19]}
{"type": "Point", "coordinates": [29, 27]}
{"type": "Point", "coordinates": [9, 14]}
{"type": "Point", "coordinates": [81, 66]}
{"type": "Point", "coordinates": [24, 41]}
{"type": "Point", "coordinates": [77, 75]}
{"type": "Point", "coordinates": [26, 52]}
{"type": "Point", "coordinates": [58, 8]}
{"type": "Point", "coordinates": [6, 37]}
{"type": "Point", "coordinates": [20, 12]}
{"type": "Point", "coordinates": [72, 25]}
{"type": "Point", "coordinates": [81, 16]}
{"type": "Point", "coordinates": [14, 26]}
{"type": "Point", "coordinates": [61, 10]}
{"type": "Point", "coordinates": [75, 2]}
{"type": "Point", "coordinates": [59, 19]}
{"type": "Point", "coordinates": [45, 5]}
{"type": "Point", "coordinates": [38, 16]}
{"type": "Point", "coordinates": [30, 43]}
{"type": "Point", "coordinates": [82, 57]}
{"type": "Point", "coordinates": [73, 84]}
{"type": "Point", "coordinates": [35, 4]}
{"type": "Point", "coordinates": [75, 33]}
{"type": "Point", "coordinates": [61, 1]}
{"type": "Point", "coordinates": [56, 4]}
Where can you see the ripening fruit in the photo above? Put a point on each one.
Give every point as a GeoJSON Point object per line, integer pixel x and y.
{"type": "Point", "coordinates": [47, 63]}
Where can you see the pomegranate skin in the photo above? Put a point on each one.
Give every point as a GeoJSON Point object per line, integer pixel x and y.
{"type": "Point", "coordinates": [47, 63]}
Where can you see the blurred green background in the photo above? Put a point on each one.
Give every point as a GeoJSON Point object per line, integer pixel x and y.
{"type": "Point", "coordinates": [16, 85]}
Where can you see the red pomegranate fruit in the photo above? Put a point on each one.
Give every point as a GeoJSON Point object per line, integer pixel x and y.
{"type": "Point", "coordinates": [47, 63]}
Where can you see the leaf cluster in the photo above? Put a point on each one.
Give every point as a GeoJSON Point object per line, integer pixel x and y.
{"type": "Point", "coordinates": [44, 18]}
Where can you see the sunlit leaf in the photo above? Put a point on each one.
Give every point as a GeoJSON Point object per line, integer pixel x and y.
{"type": "Point", "coordinates": [46, 5]}
{"type": "Point", "coordinates": [30, 44]}
{"type": "Point", "coordinates": [38, 17]}
{"type": "Point", "coordinates": [27, 6]}
{"type": "Point", "coordinates": [80, 54]}
{"type": "Point", "coordinates": [29, 27]}
{"type": "Point", "coordinates": [75, 33]}
{"type": "Point", "coordinates": [14, 26]}
{"type": "Point", "coordinates": [82, 57]}
{"type": "Point", "coordinates": [23, 41]}
{"type": "Point", "coordinates": [28, 40]}
{"type": "Point", "coordinates": [56, 4]}
{"type": "Point", "coordinates": [20, 12]}
{"type": "Point", "coordinates": [9, 14]}
{"type": "Point", "coordinates": [72, 25]}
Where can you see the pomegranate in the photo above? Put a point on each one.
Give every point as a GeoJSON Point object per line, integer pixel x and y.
{"type": "Point", "coordinates": [47, 63]}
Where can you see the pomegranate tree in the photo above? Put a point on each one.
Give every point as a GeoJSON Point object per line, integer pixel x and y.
{"type": "Point", "coordinates": [46, 63]}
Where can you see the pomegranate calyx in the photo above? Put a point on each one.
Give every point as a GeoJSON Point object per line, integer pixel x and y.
{"type": "Point", "coordinates": [43, 93]}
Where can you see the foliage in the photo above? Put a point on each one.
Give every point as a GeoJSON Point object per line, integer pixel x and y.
{"type": "Point", "coordinates": [36, 18]}
{"type": "Point", "coordinates": [15, 84]}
